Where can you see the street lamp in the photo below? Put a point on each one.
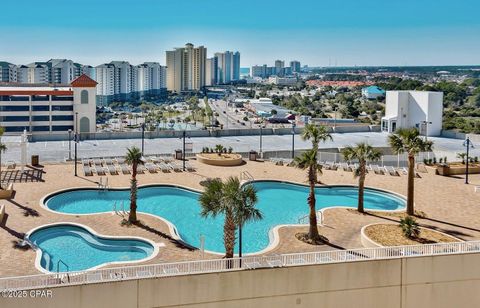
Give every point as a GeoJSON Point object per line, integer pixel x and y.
{"type": "Point", "coordinates": [184, 137]}
{"type": "Point", "coordinates": [261, 137]}
{"type": "Point", "coordinates": [467, 143]}
{"type": "Point", "coordinates": [76, 140]}
{"type": "Point", "coordinates": [293, 139]}
{"type": "Point", "coordinates": [69, 144]}
{"type": "Point", "coordinates": [143, 137]}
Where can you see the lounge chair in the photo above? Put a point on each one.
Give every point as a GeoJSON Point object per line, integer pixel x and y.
{"type": "Point", "coordinates": [391, 171]}
{"type": "Point", "coordinates": [124, 168]}
{"type": "Point", "coordinates": [152, 168]}
{"type": "Point", "coordinates": [189, 167]}
{"type": "Point", "coordinates": [87, 171]}
{"type": "Point", "coordinates": [164, 167]}
{"type": "Point", "coordinates": [99, 170]}
{"type": "Point", "coordinates": [176, 167]}
{"type": "Point", "coordinates": [377, 170]}
{"type": "Point", "coordinates": [120, 160]}
{"type": "Point", "coordinates": [85, 162]}
{"type": "Point", "coordinates": [141, 169]}
{"type": "Point", "coordinates": [346, 167]}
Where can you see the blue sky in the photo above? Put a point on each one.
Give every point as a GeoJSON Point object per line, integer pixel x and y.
{"type": "Point", "coordinates": [316, 32]}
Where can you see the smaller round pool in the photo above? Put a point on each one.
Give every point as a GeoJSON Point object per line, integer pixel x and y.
{"type": "Point", "coordinates": [70, 247]}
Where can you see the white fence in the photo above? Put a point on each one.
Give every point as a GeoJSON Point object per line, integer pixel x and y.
{"type": "Point", "coordinates": [236, 264]}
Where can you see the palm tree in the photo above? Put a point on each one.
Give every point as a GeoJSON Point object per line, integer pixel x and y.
{"type": "Point", "coordinates": [409, 141]}
{"type": "Point", "coordinates": [363, 152]}
{"type": "Point", "coordinates": [134, 158]}
{"type": "Point", "coordinates": [245, 210]}
{"type": "Point", "coordinates": [235, 202]}
{"type": "Point", "coordinates": [308, 161]}
{"type": "Point", "coordinates": [3, 148]}
{"type": "Point", "coordinates": [316, 134]}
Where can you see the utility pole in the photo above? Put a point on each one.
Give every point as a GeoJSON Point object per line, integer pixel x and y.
{"type": "Point", "coordinates": [143, 138]}
{"type": "Point", "coordinates": [468, 144]}
{"type": "Point", "coordinates": [293, 140]}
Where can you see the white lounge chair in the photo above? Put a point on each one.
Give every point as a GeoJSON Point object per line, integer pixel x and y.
{"type": "Point", "coordinates": [87, 171]}
{"type": "Point", "coordinates": [164, 167]}
{"type": "Point", "coordinates": [124, 168]}
{"type": "Point", "coordinates": [377, 170]}
{"type": "Point", "coordinates": [189, 167]}
{"type": "Point", "coordinates": [152, 168]}
{"type": "Point", "coordinates": [99, 170]}
{"type": "Point", "coordinates": [391, 171]}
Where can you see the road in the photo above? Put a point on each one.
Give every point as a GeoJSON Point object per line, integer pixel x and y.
{"type": "Point", "coordinates": [55, 151]}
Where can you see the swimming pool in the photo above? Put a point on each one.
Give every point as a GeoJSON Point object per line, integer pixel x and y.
{"type": "Point", "coordinates": [280, 202]}
{"type": "Point", "coordinates": [69, 247]}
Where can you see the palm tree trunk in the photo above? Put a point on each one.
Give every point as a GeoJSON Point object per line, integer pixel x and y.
{"type": "Point", "coordinates": [410, 187]}
{"type": "Point", "coordinates": [229, 234]}
{"type": "Point", "coordinates": [132, 217]}
{"type": "Point", "coordinates": [313, 231]}
{"type": "Point", "coordinates": [361, 186]}
{"type": "Point", "coordinates": [240, 243]}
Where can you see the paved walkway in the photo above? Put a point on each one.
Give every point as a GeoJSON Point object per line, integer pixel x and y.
{"type": "Point", "coordinates": [450, 206]}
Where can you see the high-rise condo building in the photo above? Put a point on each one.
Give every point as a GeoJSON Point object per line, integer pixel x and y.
{"type": "Point", "coordinates": [8, 72]}
{"type": "Point", "coordinates": [211, 71]}
{"type": "Point", "coordinates": [295, 66]}
{"type": "Point", "coordinates": [186, 68]}
{"type": "Point", "coordinates": [228, 66]}
{"type": "Point", "coordinates": [279, 65]}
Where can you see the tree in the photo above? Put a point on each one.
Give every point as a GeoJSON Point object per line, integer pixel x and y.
{"type": "Point", "coordinates": [308, 161]}
{"type": "Point", "coordinates": [409, 141]}
{"type": "Point", "coordinates": [362, 152]}
{"type": "Point", "coordinates": [134, 158]}
{"type": "Point", "coordinates": [316, 134]}
{"type": "Point", "coordinates": [3, 148]}
{"type": "Point", "coordinates": [235, 202]}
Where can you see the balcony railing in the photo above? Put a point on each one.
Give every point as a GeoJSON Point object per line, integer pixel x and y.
{"type": "Point", "coordinates": [236, 264]}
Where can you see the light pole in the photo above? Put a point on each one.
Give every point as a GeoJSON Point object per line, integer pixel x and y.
{"type": "Point", "coordinates": [335, 118]}
{"type": "Point", "coordinates": [426, 133]}
{"type": "Point", "coordinates": [143, 138]}
{"type": "Point", "coordinates": [184, 137]}
{"type": "Point", "coordinates": [293, 140]}
{"type": "Point", "coordinates": [69, 144]}
{"type": "Point", "coordinates": [261, 137]}
{"type": "Point", "coordinates": [76, 140]}
{"type": "Point", "coordinates": [467, 143]}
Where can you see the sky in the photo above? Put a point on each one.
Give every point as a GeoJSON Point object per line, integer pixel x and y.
{"type": "Point", "coordinates": [315, 32]}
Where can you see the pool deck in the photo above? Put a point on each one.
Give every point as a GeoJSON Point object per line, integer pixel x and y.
{"type": "Point", "coordinates": [450, 206]}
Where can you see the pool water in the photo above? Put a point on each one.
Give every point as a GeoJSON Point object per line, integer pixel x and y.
{"type": "Point", "coordinates": [73, 248]}
{"type": "Point", "coordinates": [280, 203]}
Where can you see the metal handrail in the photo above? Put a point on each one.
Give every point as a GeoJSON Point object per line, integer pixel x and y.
{"type": "Point", "coordinates": [235, 264]}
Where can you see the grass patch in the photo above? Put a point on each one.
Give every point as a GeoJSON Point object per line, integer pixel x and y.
{"type": "Point", "coordinates": [392, 235]}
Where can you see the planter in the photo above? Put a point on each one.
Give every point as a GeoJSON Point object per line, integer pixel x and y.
{"type": "Point", "coordinates": [222, 159]}
{"type": "Point", "coordinates": [456, 169]}
{"type": "Point", "coordinates": [370, 243]}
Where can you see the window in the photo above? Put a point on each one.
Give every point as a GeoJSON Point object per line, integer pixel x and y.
{"type": "Point", "coordinates": [41, 128]}
{"type": "Point", "coordinates": [40, 98]}
{"type": "Point", "coordinates": [62, 98]}
{"type": "Point", "coordinates": [41, 118]}
{"type": "Point", "coordinates": [62, 128]}
{"type": "Point", "coordinates": [62, 118]}
{"type": "Point", "coordinates": [84, 97]}
{"type": "Point", "coordinates": [62, 108]}
{"type": "Point", "coordinates": [10, 129]}
{"type": "Point", "coordinates": [14, 108]}
{"type": "Point", "coordinates": [84, 125]}
{"type": "Point", "coordinates": [41, 108]}
{"type": "Point", "coordinates": [15, 119]}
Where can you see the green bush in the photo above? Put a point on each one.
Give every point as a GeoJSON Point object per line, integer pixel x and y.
{"type": "Point", "coordinates": [410, 227]}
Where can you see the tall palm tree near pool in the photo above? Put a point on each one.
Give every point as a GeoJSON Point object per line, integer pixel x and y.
{"type": "Point", "coordinates": [362, 152]}
{"type": "Point", "coordinates": [235, 202]}
{"type": "Point", "coordinates": [308, 161]}
{"type": "Point", "coordinates": [409, 141]}
{"type": "Point", "coordinates": [3, 148]}
{"type": "Point", "coordinates": [316, 134]}
{"type": "Point", "coordinates": [245, 209]}
{"type": "Point", "coordinates": [133, 158]}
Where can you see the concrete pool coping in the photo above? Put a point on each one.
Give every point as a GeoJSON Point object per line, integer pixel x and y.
{"type": "Point", "coordinates": [39, 251]}
{"type": "Point", "coordinates": [273, 234]}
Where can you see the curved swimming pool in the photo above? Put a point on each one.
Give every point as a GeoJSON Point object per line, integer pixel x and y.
{"type": "Point", "coordinates": [281, 203]}
{"type": "Point", "coordinates": [69, 247]}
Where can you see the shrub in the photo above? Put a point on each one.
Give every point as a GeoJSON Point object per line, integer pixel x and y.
{"type": "Point", "coordinates": [462, 156]}
{"type": "Point", "coordinates": [445, 159]}
{"type": "Point", "coordinates": [475, 159]}
{"type": "Point", "coordinates": [441, 160]}
{"type": "Point", "coordinates": [425, 161]}
{"type": "Point", "coordinates": [429, 161]}
{"type": "Point", "coordinates": [410, 227]}
{"type": "Point", "coordinates": [230, 150]}
{"type": "Point", "coordinates": [434, 160]}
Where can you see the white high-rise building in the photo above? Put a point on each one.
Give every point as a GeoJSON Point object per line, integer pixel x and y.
{"type": "Point", "coordinates": [228, 66]}
{"type": "Point", "coordinates": [186, 68]}
{"type": "Point", "coordinates": [211, 71]}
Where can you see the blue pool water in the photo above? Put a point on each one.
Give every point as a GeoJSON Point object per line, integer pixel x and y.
{"type": "Point", "coordinates": [280, 203]}
{"type": "Point", "coordinates": [78, 249]}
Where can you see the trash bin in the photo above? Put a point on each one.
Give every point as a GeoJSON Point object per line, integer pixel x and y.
{"type": "Point", "coordinates": [35, 160]}
{"type": "Point", "coordinates": [252, 156]}
{"type": "Point", "coordinates": [178, 154]}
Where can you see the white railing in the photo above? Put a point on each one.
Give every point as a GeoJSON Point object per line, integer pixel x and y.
{"type": "Point", "coordinates": [305, 219]}
{"type": "Point", "coordinates": [246, 176]}
{"type": "Point", "coordinates": [225, 265]}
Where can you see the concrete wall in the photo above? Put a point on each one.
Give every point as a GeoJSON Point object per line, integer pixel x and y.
{"type": "Point", "coordinates": [197, 133]}
{"type": "Point", "coordinates": [427, 282]}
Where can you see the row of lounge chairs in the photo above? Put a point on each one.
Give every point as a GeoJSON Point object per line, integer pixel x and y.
{"type": "Point", "coordinates": [114, 166]}
{"type": "Point", "coordinates": [329, 165]}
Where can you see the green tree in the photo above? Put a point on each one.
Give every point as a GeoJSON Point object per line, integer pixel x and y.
{"type": "Point", "coordinates": [362, 152]}
{"type": "Point", "coordinates": [235, 202]}
{"type": "Point", "coordinates": [316, 134]}
{"type": "Point", "coordinates": [308, 161]}
{"type": "Point", "coordinates": [134, 158]}
{"type": "Point", "coordinates": [409, 141]}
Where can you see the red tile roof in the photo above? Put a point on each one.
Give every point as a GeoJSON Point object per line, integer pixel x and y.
{"type": "Point", "coordinates": [84, 82]}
